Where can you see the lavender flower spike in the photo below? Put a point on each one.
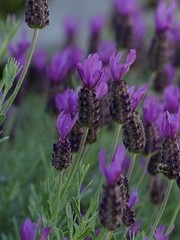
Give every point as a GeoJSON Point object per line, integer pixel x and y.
{"type": "Point", "coordinates": [91, 70]}
{"type": "Point", "coordinates": [164, 16]}
{"type": "Point", "coordinates": [113, 171]}
{"type": "Point", "coordinates": [65, 123]}
{"type": "Point", "coordinates": [119, 70]}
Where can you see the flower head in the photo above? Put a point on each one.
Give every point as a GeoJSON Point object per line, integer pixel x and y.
{"type": "Point", "coordinates": [151, 109]}
{"type": "Point", "coordinates": [169, 124]}
{"type": "Point", "coordinates": [29, 230]}
{"type": "Point", "coordinates": [113, 171]}
{"type": "Point", "coordinates": [65, 123]}
{"type": "Point", "coordinates": [105, 50]}
{"type": "Point", "coordinates": [67, 102]}
{"type": "Point", "coordinates": [119, 70]}
{"type": "Point", "coordinates": [171, 98]}
{"type": "Point", "coordinates": [138, 95]}
{"type": "Point", "coordinates": [164, 16]}
{"type": "Point", "coordinates": [91, 70]}
{"type": "Point", "coordinates": [97, 24]}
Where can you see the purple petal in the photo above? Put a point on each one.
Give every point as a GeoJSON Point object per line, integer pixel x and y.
{"type": "Point", "coordinates": [151, 109]}
{"type": "Point", "coordinates": [65, 124]}
{"type": "Point", "coordinates": [105, 50]}
{"type": "Point", "coordinates": [134, 199]}
{"type": "Point", "coordinates": [61, 101]}
{"type": "Point", "coordinates": [97, 23]}
{"type": "Point", "coordinates": [171, 98]}
{"type": "Point", "coordinates": [71, 25]}
{"type": "Point", "coordinates": [29, 230]}
{"type": "Point", "coordinates": [138, 96]}
{"type": "Point", "coordinates": [45, 233]}
{"type": "Point", "coordinates": [73, 102]}
{"type": "Point", "coordinates": [102, 90]}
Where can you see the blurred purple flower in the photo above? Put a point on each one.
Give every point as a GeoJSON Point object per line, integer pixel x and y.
{"type": "Point", "coordinates": [67, 102]}
{"type": "Point", "coordinates": [91, 70]}
{"type": "Point", "coordinates": [151, 109]}
{"type": "Point", "coordinates": [113, 171]}
{"type": "Point", "coordinates": [119, 70]}
{"type": "Point", "coordinates": [164, 16]}
{"type": "Point", "coordinates": [97, 24]}
{"type": "Point", "coordinates": [138, 95]}
{"type": "Point", "coordinates": [125, 7]}
{"type": "Point", "coordinates": [134, 199]}
{"type": "Point", "coordinates": [133, 230]}
{"type": "Point", "coordinates": [171, 98]}
{"type": "Point", "coordinates": [18, 51]}
{"type": "Point", "coordinates": [105, 50]}
{"type": "Point", "coordinates": [71, 25]}
{"type": "Point", "coordinates": [29, 230]}
{"type": "Point", "coordinates": [101, 89]}
{"type": "Point", "coordinates": [39, 59]}
{"type": "Point", "coordinates": [159, 233]}
{"type": "Point", "coordinates": [65, 123]}
{"type": "Point", "coordinates": [169, 124]}
{"type": "Point", "coordinates": [170, 72]}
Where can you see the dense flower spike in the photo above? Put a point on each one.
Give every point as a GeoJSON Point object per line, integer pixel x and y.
{"type": "Point", "coordinates": [37, 13]}
{"type": "Point", "coordinates": [62, 156]}
{"type": "Point", "coordinates": [94, 88]}
{"type": "Point", "coordinates": [110, 209]}
{"type": "Point", "coordinates": [29, 230]}
{"type": "Point", "coordinates": [170, 152]}
{"type": "Point", "coordinates": [134, 137]}
{"type": "Point", "coordinates": [119, 96]}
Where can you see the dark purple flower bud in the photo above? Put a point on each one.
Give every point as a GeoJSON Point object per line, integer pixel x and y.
{"type": "Point", "coordinates": [65, 123]}
{"type": "Point", "coordinates": [170, 124]}
{"type": "Point", "coordinates": [119, 70]}
{"type": "Point", "coordinates": [134, 199]}
{"type": "Point", "coordinates": [113, 171]}
{"type": "Point", "coordinates": [160, 235]}
{"type": "Point", "coordinates": [91, 70]}
{"type": "Point", "coordinates": [164, 16]}
{"type": "Point", "coordinates": [138, 95]}
{"type": "Point", "coordinates": [105, 50]}
{"type": "Point", "coordinates": [151, 109]}
{"type": "Point", "coordinates": [171, 98]}
{"type": "Point", "coordinates": [97, 24]}
{"type": "Point", "coordinates": [67, 102]}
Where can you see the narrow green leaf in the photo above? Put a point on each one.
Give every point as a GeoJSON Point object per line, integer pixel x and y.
{"type": "Point", "coordinates": [2, 117]}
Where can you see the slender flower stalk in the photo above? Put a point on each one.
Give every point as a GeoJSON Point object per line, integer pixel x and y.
{"type": "Point", "coordinates": [131, 166]}
{"type": "Point", "coordinates": [59, 197]}
{"type": "Point", "coordinates": [173, 218]}
{"type": "Point", "coordinates": [115, 139]}
{"type": "Point", "coordinates": [23, 74]}
{"type": "Point", "coordinates": [163, 206]}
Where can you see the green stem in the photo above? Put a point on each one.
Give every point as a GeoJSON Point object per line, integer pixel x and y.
{"type": "Point", "coordinates": [23, 74]}
{"type": "Point", "coordinates": [174, 217]}
{"type": "Point", "coordinates": [115, 140]}
{"type": "Point", "coordinates": [76, 161]}
{"type": "Point", "coordinates": [108, 236]}
{"type": "Point", "coordinates": [170, 184]}
{"type": "Point", "coordinates": [59, 197]}
{"type": "Point", "coordinates": [131, 167]}
{"type": "Point", "coordinates": [144, 172]}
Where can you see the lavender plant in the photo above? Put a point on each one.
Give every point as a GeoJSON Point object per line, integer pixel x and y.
{"type": "Point", "coordinates": [51, 184]}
